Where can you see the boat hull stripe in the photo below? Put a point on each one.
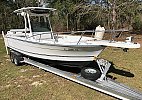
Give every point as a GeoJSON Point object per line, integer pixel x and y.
{"type": "Point", "coordinates": [46, 54]}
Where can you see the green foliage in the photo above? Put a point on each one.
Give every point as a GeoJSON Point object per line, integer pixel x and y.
{"type": "Point", "coordinates": [126, 12]}
{"type": "Point", "coordinates": [80, 16]}
{"type": "Point", "coordinates": [8, 19]}
{"type": "Point", "coordinates": [74, 14]}
{"type": "Point", "coordinates": [137, 24]}
{"type": "Point", "coordinates": [65, 9]}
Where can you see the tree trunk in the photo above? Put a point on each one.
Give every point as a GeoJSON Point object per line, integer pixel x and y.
{"type": "Point", "coordinates": [114, 15]}
{"type": "Point", "coordinates": [67, 22]}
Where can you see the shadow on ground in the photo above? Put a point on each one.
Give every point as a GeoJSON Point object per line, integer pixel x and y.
{"type": "Point", "coordinates": [121, 72]}
{"type": "Point", "coordinates": [76, 70]}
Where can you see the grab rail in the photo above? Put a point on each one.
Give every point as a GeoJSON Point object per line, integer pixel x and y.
{"type": "Point", "coordinates": [75, 32]}
{"type": "Point", "coordinates": [38, 35]}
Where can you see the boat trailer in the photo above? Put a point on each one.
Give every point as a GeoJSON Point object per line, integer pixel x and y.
{"type": "Point", "coordinates": [103, 84]}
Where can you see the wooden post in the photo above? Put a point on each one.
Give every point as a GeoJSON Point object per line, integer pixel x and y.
{"type": "Point", "coordinates": [5, 42]}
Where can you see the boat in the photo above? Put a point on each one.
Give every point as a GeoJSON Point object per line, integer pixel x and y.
{"type": "Point", "coordinates": [37, 40]}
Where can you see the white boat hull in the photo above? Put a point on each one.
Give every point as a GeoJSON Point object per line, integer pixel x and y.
{"type": "Point", "coordinates": [68, 49]}
{"type": "Point", "coordinates": [54, 52]}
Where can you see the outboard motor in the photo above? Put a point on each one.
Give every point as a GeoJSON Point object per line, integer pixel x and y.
{"type": "Point", "coordinates": [99, 32]}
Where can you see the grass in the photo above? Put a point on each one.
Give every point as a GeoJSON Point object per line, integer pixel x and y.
{"type": "Point", "coordinates": [30, 83]}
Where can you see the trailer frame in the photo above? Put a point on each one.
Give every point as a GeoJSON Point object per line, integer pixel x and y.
{"type": "Point", "coordinates": [103, 84]}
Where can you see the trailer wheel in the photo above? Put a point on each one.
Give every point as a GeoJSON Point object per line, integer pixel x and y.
{"type": "Point", "coordinates": [16, 60]}
{"type": "Point", "coordinates": [90, 73]}
{"type": "Point", "coordinates": [16, 57]}
{"type": "Point", "coordinates": [11, 57]}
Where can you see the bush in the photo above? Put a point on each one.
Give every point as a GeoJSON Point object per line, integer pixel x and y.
{"type": "Point", "coordinates": [137, 25]}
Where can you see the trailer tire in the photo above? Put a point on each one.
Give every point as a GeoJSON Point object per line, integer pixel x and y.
{"type": "Point", "coordinates": [16, 60]}
{"type": "Point", "coordinates": [11, 57]}
{"type": "Point", "coordinates": [16, 57]}
{"type": "Point", "coordinates": [90, 73]}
